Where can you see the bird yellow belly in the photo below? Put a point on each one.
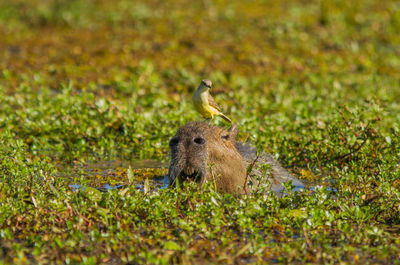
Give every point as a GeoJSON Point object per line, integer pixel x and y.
{"type": "Point", "coordinates": [202, 106]}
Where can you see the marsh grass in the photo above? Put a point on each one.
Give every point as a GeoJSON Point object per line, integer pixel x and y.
{"type": "Point", "coordinates": [314, 82]}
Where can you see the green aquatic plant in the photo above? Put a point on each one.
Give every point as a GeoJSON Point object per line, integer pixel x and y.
{"type": "Point", "coordinates": [83, 83]}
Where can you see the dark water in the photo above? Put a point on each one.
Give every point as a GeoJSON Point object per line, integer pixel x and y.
{"type": "Point", "coordinates": [114, 174]}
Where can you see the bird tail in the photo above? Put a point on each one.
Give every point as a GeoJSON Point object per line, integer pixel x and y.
{"type": "Point", "coordinates": [225, 117]}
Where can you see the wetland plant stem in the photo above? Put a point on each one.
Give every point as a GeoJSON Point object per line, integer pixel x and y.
{"type": "Point", "coordinates": [249, 169]}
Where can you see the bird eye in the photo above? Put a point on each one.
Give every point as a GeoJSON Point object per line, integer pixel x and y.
{"type": "Point", "coordinates": [174, 142]}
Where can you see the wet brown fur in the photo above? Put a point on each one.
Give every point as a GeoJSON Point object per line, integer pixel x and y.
{"type": "Point", "coordinates": [220, 159]}
{"type": "Point", "coordinates": [216, 160]}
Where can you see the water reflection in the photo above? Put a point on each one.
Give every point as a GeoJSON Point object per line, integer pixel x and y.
{"type": "Point", "coordinates": [115, 174]}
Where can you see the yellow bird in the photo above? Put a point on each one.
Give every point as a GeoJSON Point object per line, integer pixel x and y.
{"type": "Point", "coordinates": [204, 102]}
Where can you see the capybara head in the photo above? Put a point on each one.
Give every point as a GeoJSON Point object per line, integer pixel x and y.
{"type": "Point", "coordinates": [203, 152]}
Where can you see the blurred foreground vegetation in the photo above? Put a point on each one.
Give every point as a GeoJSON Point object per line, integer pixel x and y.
{"type": "Point", "coordinates": [315, 82]}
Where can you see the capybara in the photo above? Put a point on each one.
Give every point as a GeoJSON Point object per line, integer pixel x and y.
{"type": "Point", "coordinates": [202, 152]}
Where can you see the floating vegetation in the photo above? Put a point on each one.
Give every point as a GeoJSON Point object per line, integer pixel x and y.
{"type": "Point", "coordinates": [89, 87]}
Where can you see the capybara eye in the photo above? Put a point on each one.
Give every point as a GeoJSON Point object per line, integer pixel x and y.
{"type": "Point", "coordinates": [226, 137]}
{"type": "Point", "coordinates": [174, 141]}
{"type": "Point", "coordinates": [199, 140]}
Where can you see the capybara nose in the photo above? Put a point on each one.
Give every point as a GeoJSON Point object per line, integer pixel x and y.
{"type": "Point", "coordinates": [199, 140]}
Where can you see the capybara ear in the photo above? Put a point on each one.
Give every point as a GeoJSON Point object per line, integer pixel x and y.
{"type": "Point", "coordinates": [233, 132]}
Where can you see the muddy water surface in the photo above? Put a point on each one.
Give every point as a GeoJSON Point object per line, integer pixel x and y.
{"type": "Point", "coordinates": [113, 174]}
{"type": "Point", "coordinates": [116, 173]}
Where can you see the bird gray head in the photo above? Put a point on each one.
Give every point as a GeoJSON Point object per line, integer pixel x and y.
{"type": "Point", "coordinates": [206, 83]}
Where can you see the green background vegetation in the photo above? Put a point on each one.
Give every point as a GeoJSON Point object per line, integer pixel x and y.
{"type": "Point", "coordinates": [315, 82]}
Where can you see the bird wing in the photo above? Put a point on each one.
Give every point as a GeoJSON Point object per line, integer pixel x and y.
{"type": "Point", "coordinates": [212, 103]}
